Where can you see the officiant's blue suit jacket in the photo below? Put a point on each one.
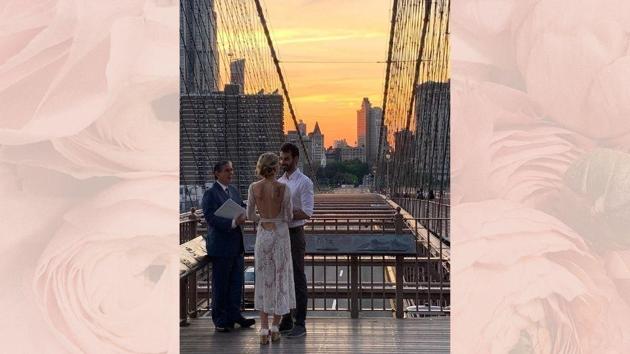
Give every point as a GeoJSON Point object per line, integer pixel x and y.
{"type": "Point", "coordinates": [222, 240]}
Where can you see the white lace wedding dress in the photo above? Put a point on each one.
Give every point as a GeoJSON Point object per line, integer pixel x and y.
{"type": "Point", "coordinates": [274, 286]}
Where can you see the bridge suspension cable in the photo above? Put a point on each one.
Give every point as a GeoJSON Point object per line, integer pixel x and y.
{"type": "Point", "coordinates": [263, 21]}
{"type": "Point", "coordinates": [413, 156]}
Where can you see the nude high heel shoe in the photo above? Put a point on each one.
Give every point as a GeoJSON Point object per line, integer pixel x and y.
{"type": "Point", "coordinates": [275, 333]}
{"type": "Point", "coordinates": [264, 336]}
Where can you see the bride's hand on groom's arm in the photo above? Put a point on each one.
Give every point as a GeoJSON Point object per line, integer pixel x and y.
{"type": "Point", "coordinates": [299, 214]}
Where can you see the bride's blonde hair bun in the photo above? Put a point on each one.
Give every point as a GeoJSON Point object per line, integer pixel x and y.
{"type": "Point", "coordinates": [267, 165]}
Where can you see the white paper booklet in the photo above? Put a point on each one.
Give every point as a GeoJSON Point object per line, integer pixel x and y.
{"type": "Point", "coordinates": [229, 210]}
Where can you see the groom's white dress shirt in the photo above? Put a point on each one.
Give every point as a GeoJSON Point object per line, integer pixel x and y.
{"type": "Point", "coordinates": [302, 195]}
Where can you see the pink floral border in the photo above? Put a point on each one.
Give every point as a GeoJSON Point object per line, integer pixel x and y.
{"type": "Point", "coordinates": [89, 134]}
{"type": "Point", "coordinates": [540, 176]}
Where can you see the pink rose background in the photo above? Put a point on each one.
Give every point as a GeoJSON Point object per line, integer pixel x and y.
{"type": "Point", "coordinates": [540, 176]}
{"type": "Point", "coordinates": [89, 138]}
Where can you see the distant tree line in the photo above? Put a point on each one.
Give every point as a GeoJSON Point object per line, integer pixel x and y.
{"type": "Point", "coordinates": [345, 172]}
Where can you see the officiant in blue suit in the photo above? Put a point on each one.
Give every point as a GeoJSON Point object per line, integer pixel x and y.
{"type": "Point", "coordinates": [224, 243]}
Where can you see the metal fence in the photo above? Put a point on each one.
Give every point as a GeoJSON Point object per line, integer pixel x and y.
{"type": "Point", "coordinates": [407, 286]}
{"type": "Point", "coordinates": [429, 210]}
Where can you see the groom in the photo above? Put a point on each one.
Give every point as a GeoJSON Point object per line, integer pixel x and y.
{"type": "Point", "coordinates": [225, 249]}
{"type": "Point", "coordinates": [302, 198]}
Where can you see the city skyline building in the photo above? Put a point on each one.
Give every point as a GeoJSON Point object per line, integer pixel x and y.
{"type": "Point", "coordinates": [404, 141]}
{"type": "Point", "coordinates": [333, 154]}
{"type": "Point", "coordinates": [432, 130]}
{"type": "Point", "coordinates": [317, 146]}
{"type": "Point", "coordinates": [350, 153]}
{"type": "Point", "coordinates": [340, 143]}
{"type": "Point", "coordinates": [369, 120]}
{"type": "Point", "coordinates": [374, 122]}
{"type": "Point", "coordinates": [227, 126]}
{"type": "Point", "coordinates": [292, 136]}
{"type": "Point", "coordinates": [198, 56]}
{"type": "Point", "coordinates": [313, 142]}
{"type": "Point", "coordinates": [362, 117]}
{"type": "Point", "coordinates": [237, 74]}
{"type": "Point", "coordinates": [302, 127]}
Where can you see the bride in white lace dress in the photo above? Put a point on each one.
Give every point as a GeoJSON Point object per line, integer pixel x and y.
{"type": "Point", "coordinates": [274, 287]}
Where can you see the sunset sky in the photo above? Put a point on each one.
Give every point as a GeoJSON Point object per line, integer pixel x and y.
{"type": "Point", "coordinates": [331, 30]}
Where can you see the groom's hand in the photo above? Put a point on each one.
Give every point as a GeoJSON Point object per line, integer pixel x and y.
{"type": "Point", "coordinates": [299, 214]}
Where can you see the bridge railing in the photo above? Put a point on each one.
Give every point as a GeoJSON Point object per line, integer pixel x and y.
{"type": "Point", "coordinates": [429, 210]}
{"type": "Point", "coordinates": [411, 286]}
{"type": "Point", "coordinates": [189, 225]}
{"type": "Point", "coordinates": [192, 224]}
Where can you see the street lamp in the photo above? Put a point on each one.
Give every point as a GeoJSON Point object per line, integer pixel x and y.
{"type": "Point", "coordinates": [387, 157]}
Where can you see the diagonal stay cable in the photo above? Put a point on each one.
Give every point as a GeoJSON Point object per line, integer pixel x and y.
{"type": "Point", "coordinates": [284, 88]}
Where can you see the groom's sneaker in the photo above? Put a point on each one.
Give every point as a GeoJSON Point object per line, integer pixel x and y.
{"type": "Point", "coordinates": [246, 322]}
{"type": "Point", "coordinates": [297, 331]}
{"type": "Point", "coordinates": [285, 327]}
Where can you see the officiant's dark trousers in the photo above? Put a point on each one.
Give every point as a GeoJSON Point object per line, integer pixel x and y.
{"type": "Point", "coordinates": [227, 283]}
{"type": "Point", "coordinates": [298, 248]}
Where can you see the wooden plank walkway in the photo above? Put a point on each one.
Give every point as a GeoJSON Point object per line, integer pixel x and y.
{"type": "Point", "coordinates": [327, 335]}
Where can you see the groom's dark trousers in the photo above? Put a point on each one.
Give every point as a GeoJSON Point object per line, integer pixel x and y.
{"type": "Point", "coordinates": [298, 249]}
{"type": "Point", "coordinates": [225, 249]}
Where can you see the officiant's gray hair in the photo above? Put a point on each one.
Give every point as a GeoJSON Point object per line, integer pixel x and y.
{"type": "Point", "coordinates": [267, 165]}
{"type": "Point", "coordinates": [218, 167]}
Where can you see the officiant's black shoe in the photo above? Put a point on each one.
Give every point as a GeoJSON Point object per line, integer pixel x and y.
{"type": "Point", "coordinates": [246, 322]}
{"type": "Point", "coordinates": [221, 329]}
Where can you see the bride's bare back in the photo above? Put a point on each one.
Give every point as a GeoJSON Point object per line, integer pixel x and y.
{"type": "Point", "coordinates": [268, 195]}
